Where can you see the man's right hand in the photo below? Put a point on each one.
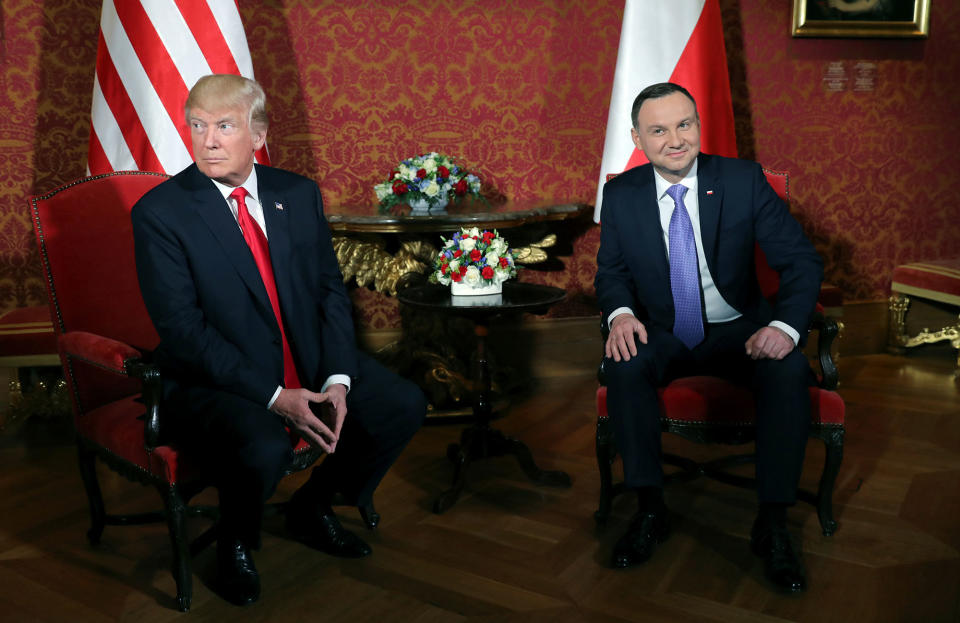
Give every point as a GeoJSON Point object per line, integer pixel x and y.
{"type": "Point", "coordinates": [620, 344]}
{"type": "Point", "coordinates": [293, 407]}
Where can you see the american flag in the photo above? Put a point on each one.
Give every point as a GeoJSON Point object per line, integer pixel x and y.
{"type": "Point", "coordinates": [150, 53]}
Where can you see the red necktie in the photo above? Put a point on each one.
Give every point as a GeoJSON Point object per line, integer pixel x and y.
{"type": "Point", "coordinates": [260, 249]}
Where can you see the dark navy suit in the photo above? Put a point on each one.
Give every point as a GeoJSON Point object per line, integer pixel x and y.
{"type": "Point", "coordinates": [221, 352]}
{"type": "Point", "coordinates": [738, 210]}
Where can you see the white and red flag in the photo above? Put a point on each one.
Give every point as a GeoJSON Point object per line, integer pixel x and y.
{"type": "Point", "coordinates": [677, 41]}
{"type": "Point", "coordinates": [150, 53]}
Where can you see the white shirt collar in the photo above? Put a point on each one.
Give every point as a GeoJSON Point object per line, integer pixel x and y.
{"type": "Point", "coordinates": [250, 184]}
{"type": "Point", "coordinates": [690, 181]}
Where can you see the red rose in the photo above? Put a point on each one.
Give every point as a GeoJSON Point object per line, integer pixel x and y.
{"type": "Point", "coordinates": [487, 236]}
{"type": "Point", "coordinates": [421, 173]}
{"type": "Point", "coordinates": [463, 270]}
{"type": "Point", "coordinates": [487, 272]}
{"type": "Point", "coordinates": [443, 172]}
{"type": "Point", "coordinates": [444, 268]}
{"type": "Point", "coordinates": [399, 187]}
{"type": "Point", "coordinates": [457, 253]}
{"type": "Point", "coordinates": [456, 276]}
{"type": "Point", "coordinates": [393, 174]}
{"type": "Point", "coordinates": [503, 262]}
{"type": "Point", "coordinates": [475, 255]}
{"type": "Point", "coordinates": [460, 187]}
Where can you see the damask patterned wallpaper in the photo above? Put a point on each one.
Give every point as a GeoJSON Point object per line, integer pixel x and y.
{"type": "Point", "coordinates": [519, 91]}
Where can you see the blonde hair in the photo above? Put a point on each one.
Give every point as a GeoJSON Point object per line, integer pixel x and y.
{"type": "Point", "coordinates": [218, 91]}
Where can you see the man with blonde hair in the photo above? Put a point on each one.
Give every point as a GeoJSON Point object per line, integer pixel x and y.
{"type": "Point", "coordinates": [238, 273]}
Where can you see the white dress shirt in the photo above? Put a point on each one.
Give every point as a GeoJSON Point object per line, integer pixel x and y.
{"type": "Point", "coordinates": [255, 209]}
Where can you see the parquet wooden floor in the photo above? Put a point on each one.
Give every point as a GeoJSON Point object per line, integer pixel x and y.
{"type": "Point", "coordinates": [510, 551]}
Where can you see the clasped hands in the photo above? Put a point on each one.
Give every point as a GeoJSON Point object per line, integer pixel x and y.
{"type": "Point", "coordinates": [766, 343]}
{"type": "Point", "coordinates": [320, 431]}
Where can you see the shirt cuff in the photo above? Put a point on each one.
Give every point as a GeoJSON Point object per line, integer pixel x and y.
{"type": "Point", "coordinates": [787, 329]}
{"type": "Point", "coordinates": [617, 312]}
{"type": "Point", "coordinates": [343, 379]}
{"type": "Point", "coordinates": [274, 399]}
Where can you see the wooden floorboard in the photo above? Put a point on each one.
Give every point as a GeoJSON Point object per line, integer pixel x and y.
{"type": "Point", "coordinates": [512, 551]}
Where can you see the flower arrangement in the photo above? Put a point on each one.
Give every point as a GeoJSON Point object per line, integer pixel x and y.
{"type": "Point", "coordinates": [474, 258]}
{"type": "Point", "coordinates": [430, 179]}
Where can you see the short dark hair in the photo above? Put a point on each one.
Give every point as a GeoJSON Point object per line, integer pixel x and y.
{"type": "Point", "coordinates": [656, 91]}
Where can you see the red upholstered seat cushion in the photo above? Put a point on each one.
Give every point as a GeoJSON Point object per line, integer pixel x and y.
{"type": "Point", "coordinates": [938, 280]}
{"type": "Point", "coordinates": [118, 427]}
{"type": "Point", "coordinates": [27, 331]}
{"type": "Point", "coordinates": [711, 400]}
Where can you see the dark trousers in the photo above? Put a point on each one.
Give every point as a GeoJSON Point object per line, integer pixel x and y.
{"type": "Point", "coordinates": [246, 449]}
{"type": "Point", "coordinates": [780, 391]}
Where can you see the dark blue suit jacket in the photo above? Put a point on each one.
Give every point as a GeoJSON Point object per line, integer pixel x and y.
{"type": "Point", "coordinates": [742, 210]}
{"type": "Point", "coordinates": [206, 298]}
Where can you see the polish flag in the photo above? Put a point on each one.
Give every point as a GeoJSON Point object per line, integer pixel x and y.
{"type": "Point", "coordinates": [677, 41]}
{"type": "Point", "coordinates": [150, 53]}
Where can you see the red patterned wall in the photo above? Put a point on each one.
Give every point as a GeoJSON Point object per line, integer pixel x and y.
{"type": "Point", "coordinates": [518, 90]}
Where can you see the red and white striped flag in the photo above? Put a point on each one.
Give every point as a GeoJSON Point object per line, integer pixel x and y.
{"type": "Point", "coordinates": [677, 41]}
{"type": "Point", "coordinates": [150, 53]}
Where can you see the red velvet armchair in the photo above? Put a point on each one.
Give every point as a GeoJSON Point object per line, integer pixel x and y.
{"type": "Point", "coordinates": [105, 338]}
{"type": "Point", "coordinates": [712, 410]}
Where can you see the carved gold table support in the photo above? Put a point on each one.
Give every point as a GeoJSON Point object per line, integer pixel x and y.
{"type": "Point", "coordinates": [367, 261]}
{"type": "Point", "coordinates": [898, 340]}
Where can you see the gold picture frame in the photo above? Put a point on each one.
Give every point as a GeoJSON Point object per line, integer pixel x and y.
{"type": "Point", "coordinates": [861, 18]}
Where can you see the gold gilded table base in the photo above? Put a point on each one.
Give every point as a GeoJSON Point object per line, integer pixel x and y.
{"type": "Point", "coordinates": [898, 340]}
{"type": "Point", "coordinates": [367, 261]}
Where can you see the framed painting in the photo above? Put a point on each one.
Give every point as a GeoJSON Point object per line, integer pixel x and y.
{"type": "Point", "coordinates": [861, 18]}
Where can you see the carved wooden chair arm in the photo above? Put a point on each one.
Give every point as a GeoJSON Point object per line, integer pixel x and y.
{"type": "Point", "coordinates": [827, 329]}
{"type": "Point", "coordinates": [122, 359]}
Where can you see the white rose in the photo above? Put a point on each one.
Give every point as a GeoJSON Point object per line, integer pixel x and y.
{"type": "Point", "coordinates": [431, 190]}
{"type": "Point", "coordinates": [498, 246]}
{"type": "Point", "coordinates": [448, 244]}
{"type": "Point", "coordinates": [473, 231]}
{"type": "Point", "coordinates": [467, 244]}
{"type": "Point", "coordinates": [383, 191]}
{"type": "Point", "coordinates": [454, 266]}
{"type": "Point", "coordinates": [499, 276]}
{"type": "Point", "coordinates": [473, 276]}
{"type": "Point", "coordinates": [493, 258]}
{"type": "Point", "coordinates": [430, 166]}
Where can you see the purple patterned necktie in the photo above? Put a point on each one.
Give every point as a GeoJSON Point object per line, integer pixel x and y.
{"type": "Point", "coordinates": [684, 272]}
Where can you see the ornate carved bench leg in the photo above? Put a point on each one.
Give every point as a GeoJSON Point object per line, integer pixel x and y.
{"type": "Point", "coordinates": [88, 473]}
{"type": "Point", "coordinates": [833, 440]}
{"type": "Point", "coordinates": [176, 523]}
{"type": "Point", "coordinates": [897, 330]}
{"type": "Point", "coordinates": [605, 455]}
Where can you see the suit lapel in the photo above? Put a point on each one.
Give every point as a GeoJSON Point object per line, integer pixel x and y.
{"type": "Point", "coordinates": [650, 232]}
{"type": "Point", "coordinates": [710, 199]}
{"type": "Point", "coordinates": [276, 218]}
{"type": "Point", "coordinates": [213, 210]}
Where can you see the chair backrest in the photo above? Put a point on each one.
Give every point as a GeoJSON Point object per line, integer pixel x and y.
{"type": "Point", "coordinates": [768, 278]}
{"type": "Point", "coordinates": [85, 238]}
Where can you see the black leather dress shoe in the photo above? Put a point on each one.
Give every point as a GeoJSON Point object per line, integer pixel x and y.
{"type": "Point", "coordinates": [781, 562]}
{"type": "Point", "coordinates": [237, 579]}
{"type": "Point", "coordinates": [646, 530]}
{"type": "Point", "coordinates": [324, 532]}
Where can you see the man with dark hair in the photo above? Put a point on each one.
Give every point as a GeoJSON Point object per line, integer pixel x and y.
{"type": "Point", "coordinates": [237, 270]}
{"type": "Point", "coordinates": [677, 286]}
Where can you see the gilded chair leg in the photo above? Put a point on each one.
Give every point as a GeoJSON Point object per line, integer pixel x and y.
{"type": "Point", "coordinates": [898, 304]}
{"type": "Point", "coordinates": [88, 473]}
{"type": "Point", "coordinates": [833, 440]}
{"type": "Point", "coordinates": [604, 461]}
{"type": "Point", "coordinates": [176, 512]}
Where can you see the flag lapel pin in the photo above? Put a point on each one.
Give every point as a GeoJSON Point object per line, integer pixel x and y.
{"type": "Point", "coordinates": [709, 192]}
{"type": "Point", "coordinates": [278, 205]}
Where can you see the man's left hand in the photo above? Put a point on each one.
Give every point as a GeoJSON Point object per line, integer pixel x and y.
{"type": "Point", "coordinates": [769, 343]}
{"type": "Point", "coordinates": [334, 410]}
